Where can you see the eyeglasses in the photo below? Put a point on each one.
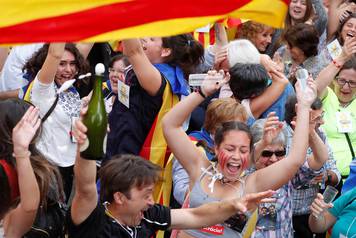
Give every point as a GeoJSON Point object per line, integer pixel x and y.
{"type": "Point", "coordinates": [112, 70]}
{"type": "Point", "coordinates": [342, 82]}
{"type": "Point", "coordinates": [278, 153]}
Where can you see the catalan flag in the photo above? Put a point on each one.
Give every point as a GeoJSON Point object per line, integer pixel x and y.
{"type": "Point", "coordinates": [104, 20]}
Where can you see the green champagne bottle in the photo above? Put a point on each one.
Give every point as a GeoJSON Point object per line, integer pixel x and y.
{"type": "Point", "coordinates": [96, 121]}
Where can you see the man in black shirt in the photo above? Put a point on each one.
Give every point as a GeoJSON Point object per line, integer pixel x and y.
{"type": "Point", "coordinates": [127, 184]}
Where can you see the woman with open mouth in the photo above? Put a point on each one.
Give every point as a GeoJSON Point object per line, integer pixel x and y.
{"type": "Point", "coordinates": [233, 145]}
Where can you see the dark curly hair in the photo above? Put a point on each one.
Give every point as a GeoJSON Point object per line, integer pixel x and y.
{"type": "Point", "coordinates": [303, 36]}
{"type": "Point", "coordinates": [34, 64]}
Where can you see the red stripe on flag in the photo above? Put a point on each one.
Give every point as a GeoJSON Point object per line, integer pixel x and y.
{"type": "Point", "coordinates": [87, 23]}
{"type": "Point", "coordinates": [146, 148]}
{"type": "Point", "coordinates": [212, 36]}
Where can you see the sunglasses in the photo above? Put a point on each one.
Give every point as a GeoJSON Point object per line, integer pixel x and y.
{"type": "Point", "coordinates": [278, 153]}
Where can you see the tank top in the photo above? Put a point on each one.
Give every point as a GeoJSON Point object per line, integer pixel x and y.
{"type": "Point", "coordinates": [232, 227]}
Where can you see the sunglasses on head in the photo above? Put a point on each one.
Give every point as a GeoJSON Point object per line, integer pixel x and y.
{"type": "Point", "coordinates": [278, 153]}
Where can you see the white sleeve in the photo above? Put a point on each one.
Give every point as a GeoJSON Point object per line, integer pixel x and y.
{"type": "Point", "coordinates": [42, 95]}
{"type": "Point", "coordinates": [11, 77]}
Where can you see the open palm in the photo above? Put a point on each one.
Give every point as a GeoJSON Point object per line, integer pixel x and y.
{"type": "Point", "coordinates": [26, 128]}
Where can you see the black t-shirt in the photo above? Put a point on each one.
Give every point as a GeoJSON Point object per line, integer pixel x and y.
{"type": "Point", "coordinates": [100, 225]}
{"type": "Point", "coordinates": [129, 127]}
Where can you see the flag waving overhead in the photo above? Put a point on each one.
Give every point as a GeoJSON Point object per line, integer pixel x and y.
{"type": "Point", "coordinates": [104, 20]}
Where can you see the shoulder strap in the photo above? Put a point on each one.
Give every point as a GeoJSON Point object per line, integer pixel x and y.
{"type": "Point", "coordinates": [350, 145]}
{"type": "Point", "coordinates": [44, 118]}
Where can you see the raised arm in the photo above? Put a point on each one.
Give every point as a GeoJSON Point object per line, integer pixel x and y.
{"type": "Point", "coordinates": [267, 178]}
{"type": "Point", "coordinates": [85, 196]}
{"type": "Point", "coordinates": [216, 212]}
{"type": "Point", "coordinates": [4, 52]}
{"type": "Point", "coordinates": [84, 48]}
{"type": "Point", "coordinates": [333, 17]}
{"type": "Point", "coordinates": [148, 76]}
{"type": "Point", "coordinates": [20, 219]}
{"type": "Point", "coordinates": [49, 67]}
{"type": "Point", "coordinates": [183, 149]}
{"type": "Point", "coordinates": [327, 75]}
{"type": "Point", "coordinates": [320, 150]}
{"type": "Point", "coordinates": [262, 102]}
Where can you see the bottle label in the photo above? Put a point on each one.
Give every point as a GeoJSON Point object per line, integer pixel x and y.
{"type": "Point", "coordinates": [84, 146]}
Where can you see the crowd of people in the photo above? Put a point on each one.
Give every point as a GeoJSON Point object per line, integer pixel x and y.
{"type": "Point", "coordinates": [248, 153]}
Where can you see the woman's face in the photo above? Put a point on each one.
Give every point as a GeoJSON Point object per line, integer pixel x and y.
{"type": "Point", "coordinates": [263, 39]}
{"type": "Point", "coordinates": [67, 68]}
{"type": "Point", "coordinates": [349, 29]}
{"type": "Point", "coordinates": [342, 85]}
{"type": "Point", "coordinates": [233, 154]}
{"type": "Point", "coordinates": [296, 54]}
{"type": "Point", "coordinates": [116, 73]}
{"type": "Point", "coordinates": [152, 47]}
{"type": "Point", "coordinates": [297, 9]}
{"type": "Point", "coordinates": [270, 155]}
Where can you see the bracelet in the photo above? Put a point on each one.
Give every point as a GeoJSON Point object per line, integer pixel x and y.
{"type": "Point", "coordinates": [198, 90]}
{"type": "Point", "coordinates": [26, 154]}
{"type": "Point", "coordinates": [337, 65]}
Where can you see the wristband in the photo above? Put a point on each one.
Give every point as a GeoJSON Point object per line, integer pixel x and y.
{"type": "Point", "coordinates": [25, 154]}
{"type": "Point", "coordinates": [198, 90]}
{"type": "Point", "coordinates": [337, 65]}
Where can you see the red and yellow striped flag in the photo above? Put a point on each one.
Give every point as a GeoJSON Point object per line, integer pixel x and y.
{"type": "Point", "coordinates": [105, 20]}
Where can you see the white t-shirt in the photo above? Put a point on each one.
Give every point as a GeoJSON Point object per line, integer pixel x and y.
{"type": "Point", "coordinates": [11, 75]}
{"type": "Point", "coordinates": [55, 141]}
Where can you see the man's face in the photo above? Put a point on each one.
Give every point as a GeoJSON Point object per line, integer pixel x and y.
{"type": "Point", "coordinates": [140, 200]}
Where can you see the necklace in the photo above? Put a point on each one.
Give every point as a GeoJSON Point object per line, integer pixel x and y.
{"type": "Point", "coordinates": [132, 233]}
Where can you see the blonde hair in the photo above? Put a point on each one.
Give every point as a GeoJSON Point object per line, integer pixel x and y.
{"type": "Point", "coordinates": [223, 110]}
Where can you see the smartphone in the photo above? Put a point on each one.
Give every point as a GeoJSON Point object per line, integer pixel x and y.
{"type": "Point", "coordinates": [195, 80]}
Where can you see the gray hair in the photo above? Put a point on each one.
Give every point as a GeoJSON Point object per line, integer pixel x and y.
{"type": "Point", "coordinates": [243, 52]}
{"type": "Point", "coordinates": [257, 133]}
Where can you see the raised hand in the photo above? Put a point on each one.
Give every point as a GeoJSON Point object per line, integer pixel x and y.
{"type": "Point", "coordinates": [80, 129]}
{"type": "Point", "coordinates": [271, 129]}
{"type": "Point", "coordinates": [220, 57]}
{"type": "Point", "coordinates": [307, 96]}
{"type": "Point", "coordinates": [25, 130]}
{"type": "Point", "coordinates": [251, 201]}
{"type": "Point", "coordinates": [349, 48]}
{"type": "Point", "coordinates": [213, 82]}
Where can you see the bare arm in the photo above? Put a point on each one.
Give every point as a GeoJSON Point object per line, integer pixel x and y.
{"type": "Point", "coordinates": [320, 218]}
{"type": "Point", "coordinates": [216, 212]}
{"type": "Point", "coordinates": [183, 149]}
{"type": "Point", "coordinates": [327, 75]}
{"type": "Point", "coordinates": [333, 17]}
{"type": "Point", "coordinates": [20, 220]}
{"type": "Point", "coordinates": [148, 76]}
{"type": "Point", "coordinates": [85, 198]}
{"type": "Point", "coordinates": [84, 48]}
{"type": "Point", "coordinates": [320, 151]}
{"type": "Point", "coordinates": [49, 68]}
{"type": "Point", "coordinates": [262, 102]}
{"type": "Point", "coordinates": [181, 146]}
{"type": "Point", "coordinates": [4, 52]}
{"type": "Point", "coordinates": [9, 94]}
{"type": "Point", "coordinates": [267, 178]}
